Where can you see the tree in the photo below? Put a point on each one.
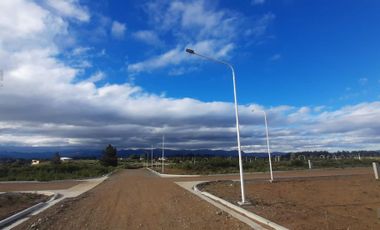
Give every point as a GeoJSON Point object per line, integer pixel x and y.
{"type": "Point", "coordinates": [109, 157]}
{"type": "Point", "coordinates": [56, 159]}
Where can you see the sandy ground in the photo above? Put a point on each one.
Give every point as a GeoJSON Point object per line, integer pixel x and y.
{"type": "Point", "coordinates": [342, 202]}
{"type": "Point", "coordinates": [134, 199]}
{"type": "Point", "coordinates": [33, 186]}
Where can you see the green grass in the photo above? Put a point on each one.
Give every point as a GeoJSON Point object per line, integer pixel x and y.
{"type": "Point", "coordinates": [47, 171]}
{"type": "Point", "coordinates": [216, 165]}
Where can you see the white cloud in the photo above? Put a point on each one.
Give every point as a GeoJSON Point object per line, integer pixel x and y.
{"type": "Point", "coordinates": [118, 29]}
{"type": "Point", "coordinates": [147, 36]}
{"type": "Point", "coordinates": [198, 25]}
{"type": "Point", "coordinates": [261, 25]}
{"type": "Point", "coordinates": [19, 19]}
{"type": "Point", "coordinates": [195, 21]}
{"type": "Point", "coordinates": [363, 81]}
{"type": "Point", "coordinates": [70, 9]}
{"type": "Point", "coordinates": [275, 57]}
{"type": "Point", "coordinates": [43, 102]}
{"type": "Point", "coordinates": [171, 57]}
{"type": "Point", "coordinates": [258, 2]}
{"type": "Point", "coordinates": [178, 56]}
{"type": "Point", "coordinates": [98, 76]}
{"type": "Point", "coordinates": [79, 51]}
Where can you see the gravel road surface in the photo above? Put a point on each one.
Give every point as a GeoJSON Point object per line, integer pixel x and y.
{"type": "Point", "coordinates": [134, 199]}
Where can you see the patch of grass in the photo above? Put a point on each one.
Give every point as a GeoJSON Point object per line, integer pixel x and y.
{"type": "Point", "coordinates": [46, 171]}
{"type": "Point", "coordinates": [215, 165]}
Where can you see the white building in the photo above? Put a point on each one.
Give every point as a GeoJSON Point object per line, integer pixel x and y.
{"type": "Point", "coordinates": [65, 159]}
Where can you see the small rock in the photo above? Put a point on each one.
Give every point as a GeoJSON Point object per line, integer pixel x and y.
{"type": "Point", "coordinates": [219, 213]}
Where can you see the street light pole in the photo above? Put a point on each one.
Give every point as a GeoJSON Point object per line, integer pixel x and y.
{"type": "Point", "coordinates": [146, 159]}
{"type": "Point", "coordinates": [151, 156]}
{"type": "Point", "coordinates": [190, 51]}
{"type": "Point", "coordinates": [163, 154]}
{"type": "Point", "coordinates": [268, 147]}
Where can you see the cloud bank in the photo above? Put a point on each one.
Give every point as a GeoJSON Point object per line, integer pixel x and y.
{"type": "Point", "coordinates": [45, 103]}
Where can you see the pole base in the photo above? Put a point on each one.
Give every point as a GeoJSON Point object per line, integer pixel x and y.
{"type": "Point", "coordinates": [245, 203]}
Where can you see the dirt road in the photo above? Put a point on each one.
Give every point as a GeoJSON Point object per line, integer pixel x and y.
{"type": "Point", "coordinates": [134, 199]}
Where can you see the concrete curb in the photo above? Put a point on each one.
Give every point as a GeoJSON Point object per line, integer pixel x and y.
{"type": "Point", "coordinates": [253, 224]}
{"type": "Point", "coordinates": [26, 212]}
{"type": "Point", "coordinates": [240, 210]}
{"type": "Point", "coordinates": [170, 175]}
{"type": "Point", "coordinates": [63, 194]}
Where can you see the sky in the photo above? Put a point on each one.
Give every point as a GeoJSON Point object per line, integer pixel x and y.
{"type": "Point", "coordinates": [89, 73]}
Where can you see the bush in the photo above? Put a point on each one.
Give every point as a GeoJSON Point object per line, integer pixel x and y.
{"type": "Point", "coordinates": [297, 163]}
{"type": "Point", "coordinates": [46, 172]}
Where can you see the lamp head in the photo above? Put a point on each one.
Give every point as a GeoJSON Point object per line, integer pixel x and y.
{"type": "Point", "coordinates": [190, 51]}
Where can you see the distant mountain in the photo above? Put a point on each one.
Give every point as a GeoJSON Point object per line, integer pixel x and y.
{"type": "Point", "coordinates": [93, 153]}
{"type": "Point", "coordinates": [197, 152]}
{"type": "Point", "coordinates": [47, 152]}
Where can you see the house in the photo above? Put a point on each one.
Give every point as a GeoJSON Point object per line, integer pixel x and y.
{"type": "Point", "coordinates": [35, 162]}
{"type": "Point", "coordinates": [66, 159]}
{"type": "Point", "coordinates": [160, 159]}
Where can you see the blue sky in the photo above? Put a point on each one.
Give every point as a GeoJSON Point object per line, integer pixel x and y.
{"type": "Point", "coordinates": [308, 52]}
{"type": "Point", "coordinates": [89, 73]}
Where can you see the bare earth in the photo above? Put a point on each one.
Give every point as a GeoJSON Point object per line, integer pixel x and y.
{"type": "Point", "coordinates": [134, 199]}
{"type": "Point", "coordinates": [277, 174]}
{"type": "Point", "coordinates": [138, 199]}
{"type": "Point", "coordinates": [11, 203]}
{"type": "Point", "coordinates": [341, 202]}
{"type": "Point", "coordinates": [34, 186]}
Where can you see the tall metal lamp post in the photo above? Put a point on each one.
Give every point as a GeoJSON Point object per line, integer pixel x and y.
{"type": "Point", "coordinates": [163, 155]}
{"type": "Point", "coordinates": [151, 156]}
{"type": "Point", "coordinates": [190, 51]}
{"type": "Point", "coordinates": [268, 148]}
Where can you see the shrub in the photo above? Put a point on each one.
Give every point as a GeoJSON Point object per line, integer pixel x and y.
{"type": "Point", "coordinates": [297, 163]}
